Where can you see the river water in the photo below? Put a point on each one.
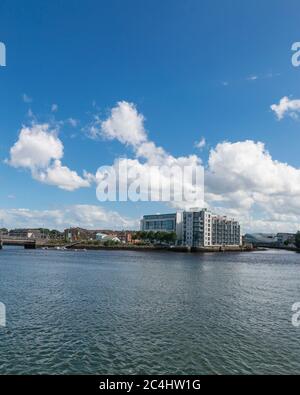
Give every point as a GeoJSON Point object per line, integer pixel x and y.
{"type": "Point", "coordinates": [126, 312]}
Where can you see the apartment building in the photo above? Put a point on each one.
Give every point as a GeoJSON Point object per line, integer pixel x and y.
{"type": "Point", "coordinates": [197, 228]}
{"type": "Point", "coordinates": [204, 229]}
{"type": "Point", "coordinates": [225, 231]}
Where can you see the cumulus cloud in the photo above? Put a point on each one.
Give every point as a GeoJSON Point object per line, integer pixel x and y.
{"type": "Point", "coordinates": [54, 108]}
{"type": "Point", "coordinates": [39, 149]}
{"type": "Point", "coordinates": [86, 216]}
{"type": "Point", "coordinates": [37, 145]}
{"type": "Point", "coordinates": [286, 106]}
{"type": "Point", "coordinates": [243, 178]}
{"type": "Point", "coordinates": [201, 143]}
{"type": "Point", "coordinates": [61, 176]}
{"type": "Point", "coordinates": [126, 125]}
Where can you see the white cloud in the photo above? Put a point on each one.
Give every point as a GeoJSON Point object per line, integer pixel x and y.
{"type": "Point", "coordinates": [86, 216]}
{"type": "Point", "coordinates": [243, 178]}
{"type": "Point", "coordinates": [30, 113]}
{"type": "Point", "coordinates": [37, 145]}
{"type": "Point", "coordinates": [54, 108]}
{"type": "Point", "coordinates": [201, 143]}
{"type": "Point", "coordinates": [61, 176]}
{"type": "Point", "coordinates": [26, 98]}
{"type": "Point", "coordinates": [39, 149]}
{"type": "Point", "coordinates": [166, 181]}
{"type": "Point", "coordinates": [286, 106]}
{"type": "Point", "coordinates": [73, 122]}
{"type": "Point", "coordinates": [93, 129]}
{"type": "Point", "coordinates": [252, 78]}
{"type": "Point", "coordinates": [255, 77]}
{"type": "Point", "coordinates": [124, 124]}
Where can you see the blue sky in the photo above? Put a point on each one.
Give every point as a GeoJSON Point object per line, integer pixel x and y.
{"type": "Point", "coordinates": [193, 68]}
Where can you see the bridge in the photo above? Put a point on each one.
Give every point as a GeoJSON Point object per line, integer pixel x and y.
{"type": "Point", "coordinates": [30, 243]}
{"type": "Point", "coordinates": [16, 241]}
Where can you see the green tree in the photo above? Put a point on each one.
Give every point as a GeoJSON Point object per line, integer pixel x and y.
{"type": "Point", "coordinates": [111, 243]}
{"type": "Point", "coordinates": [297, 240]}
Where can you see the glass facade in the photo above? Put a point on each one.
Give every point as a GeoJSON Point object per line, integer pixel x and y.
{"type": "Point", "coordinates": [164, 222]}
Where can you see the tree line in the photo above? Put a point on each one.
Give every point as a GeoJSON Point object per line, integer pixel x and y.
{"type": "Point", "coordinates": [297, 240]}
{"type": "Point", "coordinates": [155, 237]}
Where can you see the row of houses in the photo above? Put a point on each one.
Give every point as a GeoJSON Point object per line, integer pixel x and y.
{"type": "Point", "coordinates": [196, 228]}
{"type": "Point", "coordinates": [27, 233]}
{"type": "Point", "coordinates": [69, 235]}
{"type": "Point", "coordinates": [77, 234]}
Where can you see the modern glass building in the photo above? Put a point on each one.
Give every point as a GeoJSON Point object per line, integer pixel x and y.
{"type": "Point", "coordinates": [163, 222]}
{"type": "Point", "coordinates": [196, 228]}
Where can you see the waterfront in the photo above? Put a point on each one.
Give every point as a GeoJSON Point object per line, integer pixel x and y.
{"type": "Point", "coordinates": [130, 312]}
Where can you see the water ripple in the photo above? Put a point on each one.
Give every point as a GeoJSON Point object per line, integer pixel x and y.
{"type": "Point", "coordinates": [112, 312]}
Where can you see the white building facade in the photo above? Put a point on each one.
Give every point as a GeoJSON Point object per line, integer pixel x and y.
{"type": "Point", "coordinates": [204, 229]}
{"type": "Point", "coordinates": [196, 228]}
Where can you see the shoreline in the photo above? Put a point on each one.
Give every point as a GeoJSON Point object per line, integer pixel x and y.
{"type": "Point", "coordinates": [145, 248]}
{"type": "Point", "coordinates": [182, 249]}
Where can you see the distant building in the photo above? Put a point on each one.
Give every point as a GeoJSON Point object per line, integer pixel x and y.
{"type": "Point", "coordinates": [270, 239]}
{"type": "Point", "coordinates": [4, 232]}
{"type": "Point", "coordinates": [124, 236]}
{"type": "Point", "coordinates": [77, 234]}
{"type": "Point", "coordinates": [225, 231]}
{"type": "Point", "coordinates": [105, 237]}
{"type": "Point", "coordinates": [202, 228]}
{"type": "Point", "coordinates": [261, 239]}
{"type": "Point", "coordinates": [196, 228]}
{"type": "Point", "coordinates": [56, 235]}
{"type": "Point", "coordinates": [36, 234]}
{"type": "Point", "coordinates": [163, 222]}
{"type": "Point", "coordinates": [284, 239]}
{"type": "Point", "coordinates": [100, 236]}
